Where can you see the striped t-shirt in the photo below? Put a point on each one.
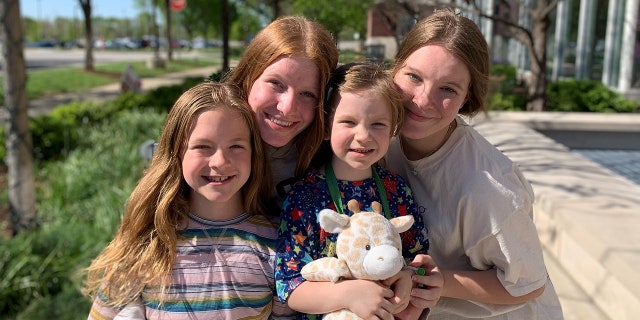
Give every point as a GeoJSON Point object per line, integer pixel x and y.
{"type": "Point", "coordinates": [223, 270]}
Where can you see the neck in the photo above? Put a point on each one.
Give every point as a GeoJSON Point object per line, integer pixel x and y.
{"type": "Point", "coordinates": [217, 210]}
{"type": "Point", "coordinates": [345, 172]}
{"type": "Point", "coordinates": [415, 149]}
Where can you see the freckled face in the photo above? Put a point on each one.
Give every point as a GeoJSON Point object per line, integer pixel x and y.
{"type": "Point", "coordinates": [435, 85]}
{"type": "Point", "coordinates": [285, 99]}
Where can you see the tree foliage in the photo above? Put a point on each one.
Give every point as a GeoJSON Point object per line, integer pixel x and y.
{"type": "Point", "coordinates": [204, 18]}
{"type": "Point", "coordinates": [337, 16]}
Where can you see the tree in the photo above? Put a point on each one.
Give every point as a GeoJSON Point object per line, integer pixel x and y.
{"type": "Point", "coordinates": [167, 19]}
{"type": "Point", "coordinates": [225, 36]}
{"type": "Point", "coordinates": [337, 16]}
{"type": "Point", "coordinates": [268, 9]}
{"type": "Point", "coordinates": [534, 37]}
{"type": "Point", "coordinates": [156, 61]}
{"type": "Point", "coordinates": [205, 15]}
{"type": "Point", "coordinates": [88, 35]}
{"type": "Point", "coordinates": [19, 145]}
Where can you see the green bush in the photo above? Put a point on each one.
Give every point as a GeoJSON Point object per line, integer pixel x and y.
{"type": "Point", "coordinates": [81, 200]}
{"type": "Point", "coordinates": [36, 265]}
{"type": "Point", "coordinates": [586, 96]}
{"type": "Point", "coordinates": [504, 91]}
{"type": "Point", "coordinates": [55, 134]}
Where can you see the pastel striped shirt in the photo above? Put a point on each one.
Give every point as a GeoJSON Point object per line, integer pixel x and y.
{"type": "Point", "coordinates": [223, 270]}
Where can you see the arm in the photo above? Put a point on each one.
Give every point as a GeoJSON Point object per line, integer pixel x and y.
{"type": "Point", "coordinates": [481, 286]}
{"type": "Point", "coordinates": [100, 310]}
{"type": "Point", "coordinates": [364, 298]}
{"type": "Point", "coordinates": [416, 243]}
{"type": "Point", "coordinates": [506, 255]}
{"type": "Point", "coordinates": [132, 311]}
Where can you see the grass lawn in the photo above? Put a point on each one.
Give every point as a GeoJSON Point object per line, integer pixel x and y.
{"type": "Point", "coordinates": [45, 82]}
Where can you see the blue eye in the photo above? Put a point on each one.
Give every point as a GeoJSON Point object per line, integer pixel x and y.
{"type": "Point", "coordinates": [449, 89]}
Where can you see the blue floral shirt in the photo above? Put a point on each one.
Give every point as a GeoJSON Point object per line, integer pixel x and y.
{"type": "Point", "coordinates": [302, 240]}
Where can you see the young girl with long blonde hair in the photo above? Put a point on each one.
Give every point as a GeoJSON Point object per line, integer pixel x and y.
{"type": "Point", "coordinates": [195, 241]}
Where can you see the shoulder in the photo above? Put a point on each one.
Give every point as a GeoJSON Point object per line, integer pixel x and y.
{"type": "Point", "coordinates": [483, 174]}
{"type": "Point", "coordinates": [311, 178]}
{"type": "Point", "coordinates": [308, 192]}
{"type": "Point", "coordinates": [313, 182]}
{"type": "Point", "coordinates": [388, 174]}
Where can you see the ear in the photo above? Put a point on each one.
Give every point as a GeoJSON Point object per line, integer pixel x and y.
{"type": "Point", "coordinates": [402, 224]}
{"type": "Point", "coordinates": [332, 221]}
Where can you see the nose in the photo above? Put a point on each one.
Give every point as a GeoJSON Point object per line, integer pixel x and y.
{"type": "Point", "coordinates": [421, 96]}
{"type": "Point", "coordinates": [218, 159]}
{"type": "Point", "coordinates": [362, 133]}
{"type": "Point", "coordinates": [286, 103]}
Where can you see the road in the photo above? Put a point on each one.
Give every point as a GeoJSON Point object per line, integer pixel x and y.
{"type": "Point", "coordinates": [37, 58]}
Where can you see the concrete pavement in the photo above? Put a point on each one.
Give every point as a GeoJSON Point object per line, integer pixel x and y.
{"type": "Point", "coordinates": [587, 216]}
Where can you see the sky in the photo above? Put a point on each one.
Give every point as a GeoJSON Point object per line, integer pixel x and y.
{"type": "Point", "coordinates": [50, 9]}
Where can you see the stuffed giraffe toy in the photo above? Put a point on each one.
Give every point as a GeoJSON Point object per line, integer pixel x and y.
{"type": "Point", "coordinates": [368, 247]}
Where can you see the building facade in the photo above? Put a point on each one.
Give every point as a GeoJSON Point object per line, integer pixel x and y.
{"type": "Point", "coordinates": [587, 39]}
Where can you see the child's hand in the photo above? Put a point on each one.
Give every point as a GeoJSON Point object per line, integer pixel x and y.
{"type": "Point", "coordinates": [369, 299]}
{"type": "Point", "coordinates": [410, 313]}
{"type": "Point", "coordinates": [401, 285]}
{"type": "Point", "coordinates": [429, 286]}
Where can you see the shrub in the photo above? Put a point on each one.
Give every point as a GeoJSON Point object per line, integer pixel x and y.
{"type": "Point", "coordinates": [586, 96]}
{"type": "Point", "coordinates": [504, 91]}
{"type": "Point", "coordinates": [81, 200]}
{"type": "Point", "coordinates": [55, 134]}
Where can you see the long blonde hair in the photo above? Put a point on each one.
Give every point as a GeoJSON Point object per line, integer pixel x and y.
{"type": "Point", "coordinates": [462, 38]}
{"type": "Point", "coordinates": [288, 36]}
{"type": "Point", "coordinates": [143, 251]}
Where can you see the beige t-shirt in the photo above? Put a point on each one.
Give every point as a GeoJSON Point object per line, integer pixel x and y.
{"type": "Point", "coordinates": [478, 207]}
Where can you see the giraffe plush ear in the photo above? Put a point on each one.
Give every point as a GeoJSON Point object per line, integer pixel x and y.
{"type": "Point", "coordinates": [402, 224]}
{"type": "Point", "coordinates": [332, 221]}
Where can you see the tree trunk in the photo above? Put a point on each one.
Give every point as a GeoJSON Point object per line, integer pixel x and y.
{"type": "Point", "coordinates": [168, 31]}
{"type": "Point", "coordinates": [535, 40]}
{"type": "Point", "coordinates": [156, 61]}
{"type": "Point", "coordinates": [19, 144]}
{"type": "Point", "coordinates": [538, 85]}
{"type": "Point", "coordinates": [225, 36]}
{"type": "Point", "coordinates": [88, 35]}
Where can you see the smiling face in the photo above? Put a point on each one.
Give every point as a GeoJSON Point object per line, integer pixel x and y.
{"type": "Point", "coordinates": [217, 162]}
{"type": "Point", "coordinates": [284, 99]}
{"type": "Point", "coordinates": [360, 134]}
{"type": "Point", "coordinates": [434, 84]}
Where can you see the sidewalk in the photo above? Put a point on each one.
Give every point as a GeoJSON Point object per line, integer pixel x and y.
{"type": "Point", "coordinates": [110, 91]}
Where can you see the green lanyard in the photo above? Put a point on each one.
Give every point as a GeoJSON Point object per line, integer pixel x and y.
{"type": "Point", "coordinates": [335, 193]}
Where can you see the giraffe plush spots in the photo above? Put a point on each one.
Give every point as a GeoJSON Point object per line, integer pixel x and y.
{"type": "Point", "coordinates": [368, 247]}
